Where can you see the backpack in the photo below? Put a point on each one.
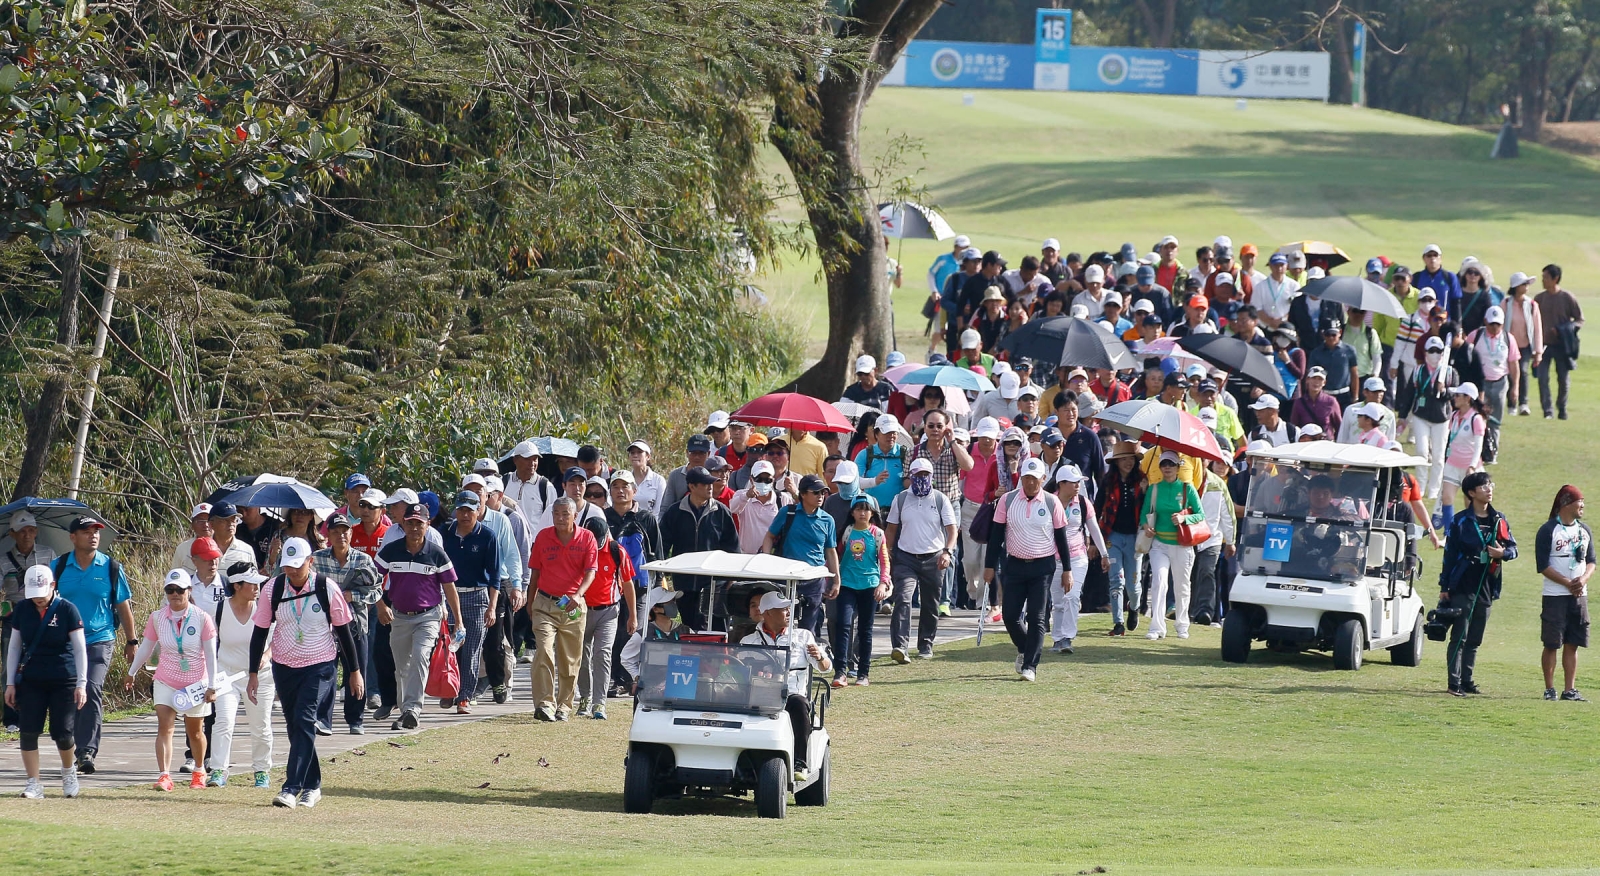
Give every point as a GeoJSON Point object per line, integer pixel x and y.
{"type": "Point", "coordinates": [790, 512]}
{"type": "Point", "coordinates": [113, 571]}
{"type": "Point", "coordinates": [872, 453]}
{"type": "Point", "coordinates": [319, 587]}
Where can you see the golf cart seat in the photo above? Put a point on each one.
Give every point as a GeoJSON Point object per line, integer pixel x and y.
{"type": "Point", "coordinates": [1386, 549]}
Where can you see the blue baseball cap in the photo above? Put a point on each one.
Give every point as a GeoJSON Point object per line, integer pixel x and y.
{"type": "Point", "coordinates": [223, 509]}
{"type": "Point", "coordinates": [1052, 437]}
{"type": "Point", "coordinates": [1277, 258]}
{"type": "Point", "coordinates": [1145, 275]}
{"type": "Point", "coordinates": [574, 472]}
{"type": "Point", "coordinates": [1374, 266]}
{"type": "Point", "coordinates": [357, 480]}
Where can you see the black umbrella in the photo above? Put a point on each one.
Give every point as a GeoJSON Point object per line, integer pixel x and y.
{"type": "Point", "coordinates": [1357, 292]}
{"type": "Point", "coordinates": [1068, 341]}
{"type": "Point", "coordinates": [1236, 356]}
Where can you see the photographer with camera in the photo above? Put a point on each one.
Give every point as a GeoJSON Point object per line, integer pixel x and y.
{"type": "Point", "coordinates": [1563, 551]}
{"type": "Point", "coordinates": [1477, 542]}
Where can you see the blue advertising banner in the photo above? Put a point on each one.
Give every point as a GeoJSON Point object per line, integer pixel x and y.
{"type": "Point", "coordinates": [683, 677]}
{"type": "Point", "coordinates": [1052, 49]}
{"type": "Point", "coordinates": [1279, 538]}
{"type": "Point", "coordinates": [1142, 71]}
{"type": "Point", "coordinates": [929, 64]}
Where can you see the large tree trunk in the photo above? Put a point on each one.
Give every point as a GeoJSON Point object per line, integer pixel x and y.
{"type": "Point", "coordinates": [46, 415]}
{"type": "Point", "coordinates": [1538, 41]}
{"type": "Point", "coordinates": [816, 127]}
{"type": "Point", "coordinates": [1578, 74]}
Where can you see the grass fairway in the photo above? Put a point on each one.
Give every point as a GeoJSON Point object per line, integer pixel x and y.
{"type": "Point", "coordinates": [1094, 170]}
{"type": "Point", "coordinates": [1133, 756]}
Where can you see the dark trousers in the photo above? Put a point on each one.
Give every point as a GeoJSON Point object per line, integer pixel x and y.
{"type": "Point", "coordinates": [799, 709]}
{"type": "Point", "coordinates": [1563, 380]}
{"type": "Point", "coordinates": [1524, 371]}
{"type": "Point", "coordinates": [9, 717]}
{"type": "Point", "coordinates": [912, 573]}
{"type": "Point", "coordinates": [498, 657]}
{"type": "Point", "coordinates": [355, 708]}
{"type": "Point", "coordinates": [1227, 570]}
{"type": "Point", "coordinates": [86, 727]}
{"type": "Point", "coordinates": [858, 606]}
{"type": "Point", "coordinates": [689, 609]}
{"type": "Point", "coordinates": [1203, 585]}
{"type": "Point", "coordinates": [37, 700]}
{"type": "Point", "coordinates": [383, 668]}
{"type": "Point", "coordinates": [1462, 654]}
{"type": "Point", "coordinates": [810, 614]}
{"type": "Point", "coordinates": [1024, 605]}
{"type": "Point", "coordinates": [302, 691]}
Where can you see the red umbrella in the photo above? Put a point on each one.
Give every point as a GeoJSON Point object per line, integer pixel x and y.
{"type": "Point", "coordinates": [791, 410]}
{"type": "Point", "coordinates": [1164, 426]}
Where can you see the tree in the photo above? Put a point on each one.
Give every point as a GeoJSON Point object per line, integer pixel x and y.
{"type": "Point", "coordinates": [816, 127]}
{"type": "Point", "coordinates": [98, 120]}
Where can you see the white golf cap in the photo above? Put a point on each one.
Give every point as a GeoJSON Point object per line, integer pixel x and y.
{"type": "Point", "coordinates": [1070, 474]}
{"type": "Point", "coordinates": [1222, 240]}
{"type": "Point", "coordinates": [1258, 446]}
{"type": "Point", "coordinates": [1144, 305]}
{"type": "Point", "coordinates": [1466, 388]}
{"type": "Point", "coordinates": [1265, 403]}
{"type": "Point", "coordinates": [1517, 279]}
{"type": "Point", "coordinates": [494, 484]}
{"type": "Point", "coordinates": [1051, 243]}
{"type": "Point", "coordinates": [374, 496]}
{"type": "Point", "coordinates": [763, 467]}
{"type": "Point", "coordinates": [23, 519]}
{"type": "Point", "coordinates": [1434, 343]}
{"type": "Point", "coordinates": [623, 475]}
{"type": "Point", "coordinates": [403, 496]}
{"type": "Point", "coordinates": [642, 445]}
{"type": "Point", "coordinates": [1494, 315]}
{"type": "Point", "coordinates": [1426, 294]}
{"type": "Point", "coordinates": [1169, 456]}
{"type": "Point", "coordinates": [196, 511]}
{"type": "Point", "coordinates": [962, 241]}
{"type": "Point", "coordinates": [295, 553]}
{"type": "Point", "coordinates": [1374, 410]}
{"type": "Point", "coordinates": [659, 596]}
{"type": "Point", "coordinates": [1208, 416]}
{"type": "Point", "coordinates": [484, 463]}
{"type": "Point", "coordinates": [988, 427]}
{"type": "Point", "coordinates": [1010, 386]}
{"type": "Point", "coordinates": [1310, 430]}
{"type": "Point", "coordinates": [971, 340]}
{"type": "Point", "coordinates": [846, 473]}
{"type": "Point", "coordinates": [1432, 248]}
{"type": "Point", "coordinates": [473, 480]}
{"type": "Point", "coordinates": [38, 580]}
{"type": "Point", "coordinates": [1014, 433]}
{"type": "Point", "coordinates": [1079, 311]}
{"type": "Point", "coordinates": [180, 578]}
{"type": "Point", "coordinates": [1297, 259]}
{"type": "Point", "coordinates": [525, 449]}
{"type": "Point", "coordinates": [1316, 274]}
{"type": "Point", "coordinates": [717, 420]}
{"type": "Point", "coordinates": [1224, 277]}
{"type": "Point", "coordinates": [886, 423]}
{"type": "Point", "coordinates": [1033, 467]}
{"type": "Point", "coordinates": [1001, 367]}
{"type": "Point", "coordinates": [1375, 384]}
{"type": "Point", "coordinates": [1112, 297]}
{"type": "Point", "coordinates": [921, 465]}
{"type": "Point", "coordinates": [960, 434]}
{"type": "Point", "coordinates": [769, 601]}
{"type": "Point", "coordinates": [1166, 239]}
{"type": "Point", "coordinates": [866, 365]}
{"type": "Point", "coordinates": [1094, 274]}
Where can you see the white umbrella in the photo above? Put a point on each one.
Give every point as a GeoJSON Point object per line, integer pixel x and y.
{"type": "Point", "coordinates": [908, 220]}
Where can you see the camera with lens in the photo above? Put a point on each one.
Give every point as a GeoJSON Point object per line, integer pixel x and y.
{"type": "Point", "coordinates": [1441, 619]}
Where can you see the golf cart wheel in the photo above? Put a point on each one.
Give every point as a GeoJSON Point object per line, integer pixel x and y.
{"type": "Point", "coordinates": [639, 786]}
{"type": "Point", "coordinates": [816, 793]}
{"type": "Point", "coordinates": [1347, 645]}
{"type": "Point", "coordinates": [772, 787]}
{"type": "Point", "coordinates": [1409, 653]}
{"type": "Point", "coordinates": [1236, 637]}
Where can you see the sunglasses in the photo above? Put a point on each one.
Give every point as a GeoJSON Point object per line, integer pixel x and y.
{"type": "Point", "coordinates": [176, 589]}
{"type": "Point", "coordinates": [777, 453]}
{"type": "Point", "coordinates": [594, 494]}
{"type": "Point", "coordinates": [764, 479]}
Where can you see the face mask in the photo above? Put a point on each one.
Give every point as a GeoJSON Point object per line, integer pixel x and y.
{"type": "Point", "coordinates": [921, 485]}
{"type": "Point", "coordinates": [1035, 448]}
{"type": "Point", "coordinates": [763, 489]}
{"type": "Point", "coordinates": [1433, 359]}
{"type": "Point", "coordinates": [850, 490]}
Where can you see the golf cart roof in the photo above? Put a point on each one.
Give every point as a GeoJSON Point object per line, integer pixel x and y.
{"type": "Point", "coordinates": [721, 564]}
{"type": "Point", "coordinates": [1334, 453]}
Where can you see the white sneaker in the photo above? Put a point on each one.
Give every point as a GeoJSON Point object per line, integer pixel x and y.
{"type": "Point", "coordinates": [188, 765]}
{"type": "Point", "coordinates": [34, 790]}
{"type": "Point", "coordinates": [69, 782]}
{"type": "Point", "coordinates": [286, 800]}
{"type": "Point", "coordinates": [1152, 635]}
{"type": "Point", "coordinates": [1183, 634]}
{"type": "Point", "coordinates": [309, 798]}
{"type": "Point", "coordinates": [1027, 675]}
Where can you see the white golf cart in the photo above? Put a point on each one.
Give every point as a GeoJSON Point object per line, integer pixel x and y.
{"type": "Point", "coordinates": [1322, 565]}
{"type": "Point", "coordinates": [710, 717]}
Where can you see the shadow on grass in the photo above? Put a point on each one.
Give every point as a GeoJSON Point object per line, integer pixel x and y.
{"type": "Point", "coordinates": [575, 801]}
{"type": "Point", "coordinates": [1403, 176]}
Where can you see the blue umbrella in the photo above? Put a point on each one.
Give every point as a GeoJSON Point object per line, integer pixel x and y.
{"type": "Point", "coordinates": [54, 515]}
{"type": "Point", "coordinates": [293, 494]}
{"type": "Point", "coordinates": [947, 375]}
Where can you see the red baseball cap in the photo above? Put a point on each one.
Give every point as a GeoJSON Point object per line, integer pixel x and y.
{"type": "Point", "coordinates": [1199, 301]}
{"type": "Point", "coordinates": [205, 549]}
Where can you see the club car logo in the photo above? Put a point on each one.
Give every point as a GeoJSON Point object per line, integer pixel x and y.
{"type": "Point", "coordinates": [946, 64]}
{"type": "Point", "coordinates": [1113, 69]}
{"type": "Point", "coordinates": [1233, 75]}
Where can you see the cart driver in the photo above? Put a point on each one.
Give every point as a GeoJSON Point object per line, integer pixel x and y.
{"type": "Point", "coordinates": [775, 631]}
{"type": "Point", "coordinates": [1319, 541]}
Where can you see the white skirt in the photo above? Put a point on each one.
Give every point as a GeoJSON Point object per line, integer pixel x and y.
{"type": "Point", "coordinates": [163, 697]}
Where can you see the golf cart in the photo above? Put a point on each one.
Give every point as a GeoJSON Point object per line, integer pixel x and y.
{"type": "Point", "coordinates": [1322, 566]}
{"type": "Point", "coordinates": [710, 718]}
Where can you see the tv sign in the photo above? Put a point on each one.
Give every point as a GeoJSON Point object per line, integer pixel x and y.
{"type": "Point", "coordinates": [1279, 538]}
{"type": "Point", "coordinates": [683, 677]}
